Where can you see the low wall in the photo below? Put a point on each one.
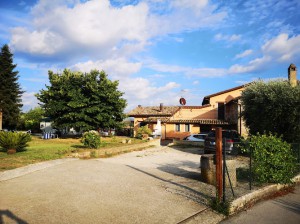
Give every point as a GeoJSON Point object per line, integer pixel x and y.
{"type": "Point", "coordinates": [243, 202]}
{"type": "Point", "coordinates": [153, 142]}
{"type": "Point", "coordinates": [107, 152]}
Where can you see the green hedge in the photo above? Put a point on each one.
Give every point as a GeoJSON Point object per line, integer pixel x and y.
{"type": "Point", "coordinates": [273, 159]}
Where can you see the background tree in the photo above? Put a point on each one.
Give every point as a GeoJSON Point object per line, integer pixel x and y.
{"type": "Point", "coordinates": [273, 107]}
{"type": "Point", "coordinates": [83, 101]}
{"type": "Point", "coordinates": [10, 91]}
{"type": "Point", "coordinates": [31, 119]}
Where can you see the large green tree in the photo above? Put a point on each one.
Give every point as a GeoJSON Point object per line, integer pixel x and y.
{"type": "Point", "coordinates": [274, 107]}
{"type": "Point", "coordinates": [84, 101]}
{"type": "Point", "coordinates": [10, 91]}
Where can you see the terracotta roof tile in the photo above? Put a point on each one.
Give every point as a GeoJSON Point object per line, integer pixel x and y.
{"type": "Point", "coordinates": [154, 119]}
{"type": "Point", "coordinates": [153, 110]}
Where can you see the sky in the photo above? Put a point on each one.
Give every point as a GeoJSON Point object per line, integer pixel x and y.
{"type": "Point", "coordinates": [159, 50]}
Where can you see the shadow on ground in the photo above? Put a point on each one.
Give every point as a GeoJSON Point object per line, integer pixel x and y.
{"type": "Point", "coordinates": [182, 188]}
{"type": "Point", "coordinates": [188, 149]}
{"type": "Point", "coordinates": [11, 216]}
{"type": "Point", "coordinates": [183, 169]}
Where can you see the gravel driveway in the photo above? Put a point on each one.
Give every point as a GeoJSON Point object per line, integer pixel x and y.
{"type": "Point", "coordinates": [158, 185]}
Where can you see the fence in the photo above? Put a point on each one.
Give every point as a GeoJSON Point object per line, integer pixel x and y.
{"type": "Point", "coordinates": [238, 176]}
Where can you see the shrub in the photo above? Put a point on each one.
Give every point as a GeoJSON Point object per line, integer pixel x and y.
{"type": "Point", "coordinates": [91, 139]}
{"type": "Point", "coordinates": [273, 159]}
{"type": "Point", "coordinates": [143, 130]}
{"type": "Point", "coordinates": [278, 102]}
{"type": "Point", "coordinates": [14, 140]}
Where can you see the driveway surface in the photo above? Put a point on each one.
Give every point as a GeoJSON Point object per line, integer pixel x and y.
{"type": "Point", "coordinates": [158, 185]}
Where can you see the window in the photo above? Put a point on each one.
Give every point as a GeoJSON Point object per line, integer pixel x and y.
{"type": "Point", "coordinates": [187, 127]}
{"type": "Point", "coordinates": [177, 127]}
{"type": "Point", "coordinates": [142, 124]}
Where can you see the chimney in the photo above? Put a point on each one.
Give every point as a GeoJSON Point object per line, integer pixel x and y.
{"type": "Point", "coordinates": [161, 107]}
{"type": "Point", "coordinates": [292, 74]}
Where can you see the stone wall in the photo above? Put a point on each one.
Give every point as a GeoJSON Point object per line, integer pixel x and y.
{"type": "Point", "coordinates": [107, 152]}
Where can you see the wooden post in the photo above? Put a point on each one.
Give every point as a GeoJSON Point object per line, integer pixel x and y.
{"type": "Point", "coordinates": [219, 176]}
{"type": "Point", "coordinates": [0, 119]}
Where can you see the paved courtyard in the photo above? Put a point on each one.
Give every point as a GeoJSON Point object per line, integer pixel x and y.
{"type": "Point", "coordinates": [158, 185]}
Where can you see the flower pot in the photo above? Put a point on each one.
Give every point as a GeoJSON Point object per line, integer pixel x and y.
{"type": "Point", "coordinates": [11, 151]}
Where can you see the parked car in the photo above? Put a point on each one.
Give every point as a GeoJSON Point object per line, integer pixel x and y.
{"type": "Point", "coordinates": [230, 138]}
{"type": "Point", "coordinates": [196, 137]}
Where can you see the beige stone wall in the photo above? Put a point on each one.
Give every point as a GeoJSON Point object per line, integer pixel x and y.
{"type": "Point", "coordinates": [206, 112]}
{"type": "Point", "coordinates": [195, 113]}
{"type": "Point", "coordinates": [169, 132]}
{"type": "Point", "coordinates": [195, 129]}
{"type": "Point", "coordinates": [225, 97]}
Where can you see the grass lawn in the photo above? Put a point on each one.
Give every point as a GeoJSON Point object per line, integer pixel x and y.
{"type": "Point", "coordinates": [42, 150]}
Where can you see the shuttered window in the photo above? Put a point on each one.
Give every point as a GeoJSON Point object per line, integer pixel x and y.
{"type": "Point", "coordinates": [177, 127]}
{"type": "Point", "coordinates": [187, 127]}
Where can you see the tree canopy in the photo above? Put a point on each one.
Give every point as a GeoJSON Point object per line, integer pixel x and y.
{"type": "Point", "coordinates": [274, 107]}
{"type": "Point", "coordinates": [10, 91]}
{"type": "Point", "coordinates": [84, 101]}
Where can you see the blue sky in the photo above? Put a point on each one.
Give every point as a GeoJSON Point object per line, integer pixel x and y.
{"type": "Point", "coordinates": [159, 50]}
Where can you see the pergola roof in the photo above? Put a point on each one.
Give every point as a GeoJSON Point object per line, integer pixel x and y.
{"type": "Point", "coordinates": [200, 121]}
{"type": "Point", "coordinates": [186, 121]}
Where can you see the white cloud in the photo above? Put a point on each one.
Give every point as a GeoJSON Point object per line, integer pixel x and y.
{"type": "Point", "coordinates": [230, 38]}
{"type": "Point", "coordinates": [99, 30]}
{"type": "Point", "coordinates": [188, 71]}
{"type": "Point", "coordinates": [160, 67]}
{"type": "Point", "coordinates": [95, 35]}
{"type": "Point", "coordinates": [142, 91]}
{"type": "Point", "coordinates": [93, 27]}
{"type": "Point", "coordinates": [157, 76]}
{"type": "Point", "coordinates": [206, 72]}
{"type": "Point", "coordinates": [116, 68]}
{"type": "Point", "coordinates": [189, 4]}
{"type": "Point", "coordinates": [179, 40]}
{"type": "Point", "coordinates": [29, 101]}
{"type": "Point", "coordinates": [254, 65]}
{"type": "Point", "coordinates": [244, 54]}
{"type": "Point", "coordinates": [181, 15]}
{"type": "Point", "coordinates": [280, 49]}
{"type": "Point", "coordinates": [196, 82]}
{"type": "Point", "coordinates": [44, 42]}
